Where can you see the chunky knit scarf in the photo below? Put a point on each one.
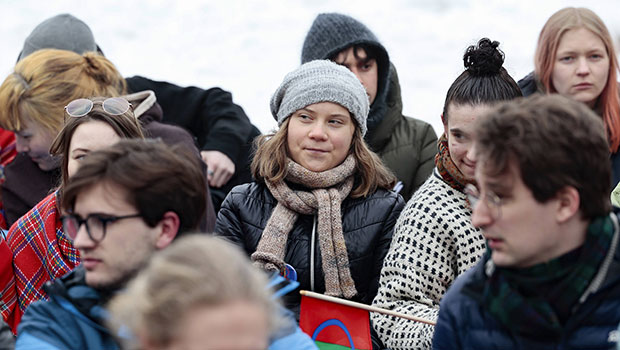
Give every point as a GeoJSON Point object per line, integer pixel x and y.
{"type": "Point", "coordinates": [446, 167]}
{"type": "Point", "coordinates": [537, 301]}
{"type": "Point", "coordinates": [328, 189]}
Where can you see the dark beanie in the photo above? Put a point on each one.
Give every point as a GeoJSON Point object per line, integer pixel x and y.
{"type": "Point", "coordinates": [63, 32]}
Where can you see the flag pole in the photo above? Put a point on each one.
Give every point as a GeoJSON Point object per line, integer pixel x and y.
{"type": "Point", "coordinates": [364, 307]}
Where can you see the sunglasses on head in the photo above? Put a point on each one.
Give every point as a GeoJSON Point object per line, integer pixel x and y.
{"type": "Point", "coordinates": [83, 106]}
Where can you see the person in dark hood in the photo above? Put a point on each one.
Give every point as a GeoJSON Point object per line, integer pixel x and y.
{"type": "Point", "coordinates": [406, 145]}
{"type": "Point", "coordinates": [221, 128]}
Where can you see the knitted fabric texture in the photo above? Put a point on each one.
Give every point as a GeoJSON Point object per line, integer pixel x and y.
{"type": "Point", "coordinates": [329, 189]}
{"type": "Point", "coordinates": [434, 242]}
{"type": "Point", "coordinates": [320, 81]}
{"type": "Point", "coordinates": [63, 32]}
{"type": "Point", "coordinates": [446, 167]}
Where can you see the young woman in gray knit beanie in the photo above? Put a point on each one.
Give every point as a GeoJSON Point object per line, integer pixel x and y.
{"type": "Point", "coordinates": [320, 208]}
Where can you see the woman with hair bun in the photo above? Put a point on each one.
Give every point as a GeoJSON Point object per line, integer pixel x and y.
{"type": "Point", "coordinates": [434, 240]}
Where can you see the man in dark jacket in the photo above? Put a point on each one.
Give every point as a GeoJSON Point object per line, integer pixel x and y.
{"type": "Point", "coordinates": [124, 204]}
{"type": "Point", "coordinates": [551, 276]}
{"type": "Point", "coordinates": [221, 128]}
{"type": "Point", "coordinates": [407, 146]}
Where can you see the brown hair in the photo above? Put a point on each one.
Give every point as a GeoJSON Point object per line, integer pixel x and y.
{"type": "Point", "coordinates": [194, 272]}
{"type": "Point", "coordinates": [545, 58]}
{"type": "Point", "coordinates": [45, 81]}
{"type": "Point", "coordinates": [271, 156]}
{"type": "Point", "coordinates": [124, 125]}
{"type": "Point", "coordinates": [158, 178]}
{"type": "Point", "coordinates": [556, 142]}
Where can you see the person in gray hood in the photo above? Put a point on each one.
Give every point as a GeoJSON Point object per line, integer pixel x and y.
{"type": "Point", "coordinates": [406, 145]}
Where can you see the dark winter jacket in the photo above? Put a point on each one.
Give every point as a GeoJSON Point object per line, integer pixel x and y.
{"type": "Point", "coordinates": [19, 195]}
{"type": "Point", "coordinates": [465, 324]}
{"type": "Point", "coordinates": [212, 118]}
{"type": "Point", "coordinates": [407, 146]}
{"type": "Point", "coordinates": [529, 86]}
{"type": "Point", "coordinates": [367, 225]}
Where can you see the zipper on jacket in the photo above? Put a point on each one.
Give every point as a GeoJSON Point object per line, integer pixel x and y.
{"type": "Point", "coordinates": [313, 239]}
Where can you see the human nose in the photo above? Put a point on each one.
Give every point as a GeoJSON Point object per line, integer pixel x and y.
{"type": "Point", "coordinates": [21, 145]}
{"type": "Point", "coordinates": [583, 68]}
{"type": "Point", "coordinates": [481, 214]}
{"type": "Point", "coordinates": [471, 153]}
{"type": "Point", "coordinates": [317, 132]}
{"type": "Point", "coordinates": [82, 239]}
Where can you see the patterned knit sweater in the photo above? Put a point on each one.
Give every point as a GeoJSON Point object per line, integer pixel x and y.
{"type": "Point", "coordinates": [433, 243]}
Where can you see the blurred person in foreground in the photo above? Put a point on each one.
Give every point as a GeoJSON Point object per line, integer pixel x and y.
{"type": "Point", "coordinates": [550, 277]}
{"type": "Point", "coordinates": [188, 298]}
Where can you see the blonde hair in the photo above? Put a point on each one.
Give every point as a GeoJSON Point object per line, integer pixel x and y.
{"type": "Point", "coordinates": [545, 58]}
{"type": "Point", "coordinates": [45, 81]}
{"type": "Point", "coordinates": [196, 270]}
{"type": "Point", "coordinates": [269, 162]}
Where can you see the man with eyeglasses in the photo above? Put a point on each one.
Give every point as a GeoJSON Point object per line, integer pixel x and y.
{"type": "Point", "coordinates": [551, 276]}
{"type": "Point", "coordinates": [122, 205]}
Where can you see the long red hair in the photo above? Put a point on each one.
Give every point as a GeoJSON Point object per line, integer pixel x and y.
{"type": "Point", "coordinates": [559, 23]}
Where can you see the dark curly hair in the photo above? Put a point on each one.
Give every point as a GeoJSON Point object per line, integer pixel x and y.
{"type": "Point", "coordinates": [484, 80]}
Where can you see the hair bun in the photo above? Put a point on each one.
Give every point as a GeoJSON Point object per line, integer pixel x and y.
{"type": "Point", "coordinates": [484, 58]}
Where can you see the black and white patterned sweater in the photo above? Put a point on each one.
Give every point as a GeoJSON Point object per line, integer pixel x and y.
{"type": "Point", "coordinates": [433, 243]}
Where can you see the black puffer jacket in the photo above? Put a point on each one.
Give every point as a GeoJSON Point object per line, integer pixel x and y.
{"type": "Point", "coordinates": [367, 227]}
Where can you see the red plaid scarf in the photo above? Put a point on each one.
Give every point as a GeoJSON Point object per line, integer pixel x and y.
{"type": "Point", "coordinates": [40, 252]}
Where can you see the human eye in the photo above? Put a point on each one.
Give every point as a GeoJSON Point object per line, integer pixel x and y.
{"type": "Point", "coordinates": [336, 121]}
{"type": "Point", "coordinates": [596, 56]}
{"type": "Point", "coordinates": [368, 65]}
{"type": "Point", "coordinates": [566, 59]}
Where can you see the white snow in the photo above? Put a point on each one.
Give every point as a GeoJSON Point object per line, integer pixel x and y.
{"type": "Point", "coordinates": [247, 47]}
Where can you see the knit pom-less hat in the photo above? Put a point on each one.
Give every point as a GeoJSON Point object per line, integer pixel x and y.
{"type": "Point", "coordinates": [320, 81]}
{"type": "Point", "coordinates": [63, 32]}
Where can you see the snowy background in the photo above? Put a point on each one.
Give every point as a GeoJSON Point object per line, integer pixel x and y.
{"type": "Point", "coordinates": [247, 47]}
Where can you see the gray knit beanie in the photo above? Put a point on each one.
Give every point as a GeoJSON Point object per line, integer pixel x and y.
{"type": "Point", "coordinates": [320, 81]}
{"type": "Point", "coordinates": [63, 32]}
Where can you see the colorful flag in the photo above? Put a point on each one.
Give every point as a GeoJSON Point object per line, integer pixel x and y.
{"type": "Point", "coordinates": [334, 326]}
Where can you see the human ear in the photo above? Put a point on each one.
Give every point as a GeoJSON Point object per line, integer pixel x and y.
{"type": "Point", "coordinates": [169, 228]}
{"type": "Point", "coordinates": [568, 203]}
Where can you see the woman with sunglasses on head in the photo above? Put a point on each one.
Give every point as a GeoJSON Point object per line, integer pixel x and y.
{"type": "Point", "coordinates": [47, 252]}
{"type": "Point", "coordinates": [575, 57]}
{"type": "Point", "coordinates": [434, 240]}
{"type": "Point", "coordinates": [32, 99]}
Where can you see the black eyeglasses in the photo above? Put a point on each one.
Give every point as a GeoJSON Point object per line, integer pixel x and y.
{"type": "Point", "coordinates": [491, 200]}
{"type": "Point", "coordinates": [83, 106]}
{"type": "Point", "coordinates": [95, 224]}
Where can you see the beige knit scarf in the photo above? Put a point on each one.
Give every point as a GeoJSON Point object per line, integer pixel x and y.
{"type": "Point", "coordinates": [328, 189]}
